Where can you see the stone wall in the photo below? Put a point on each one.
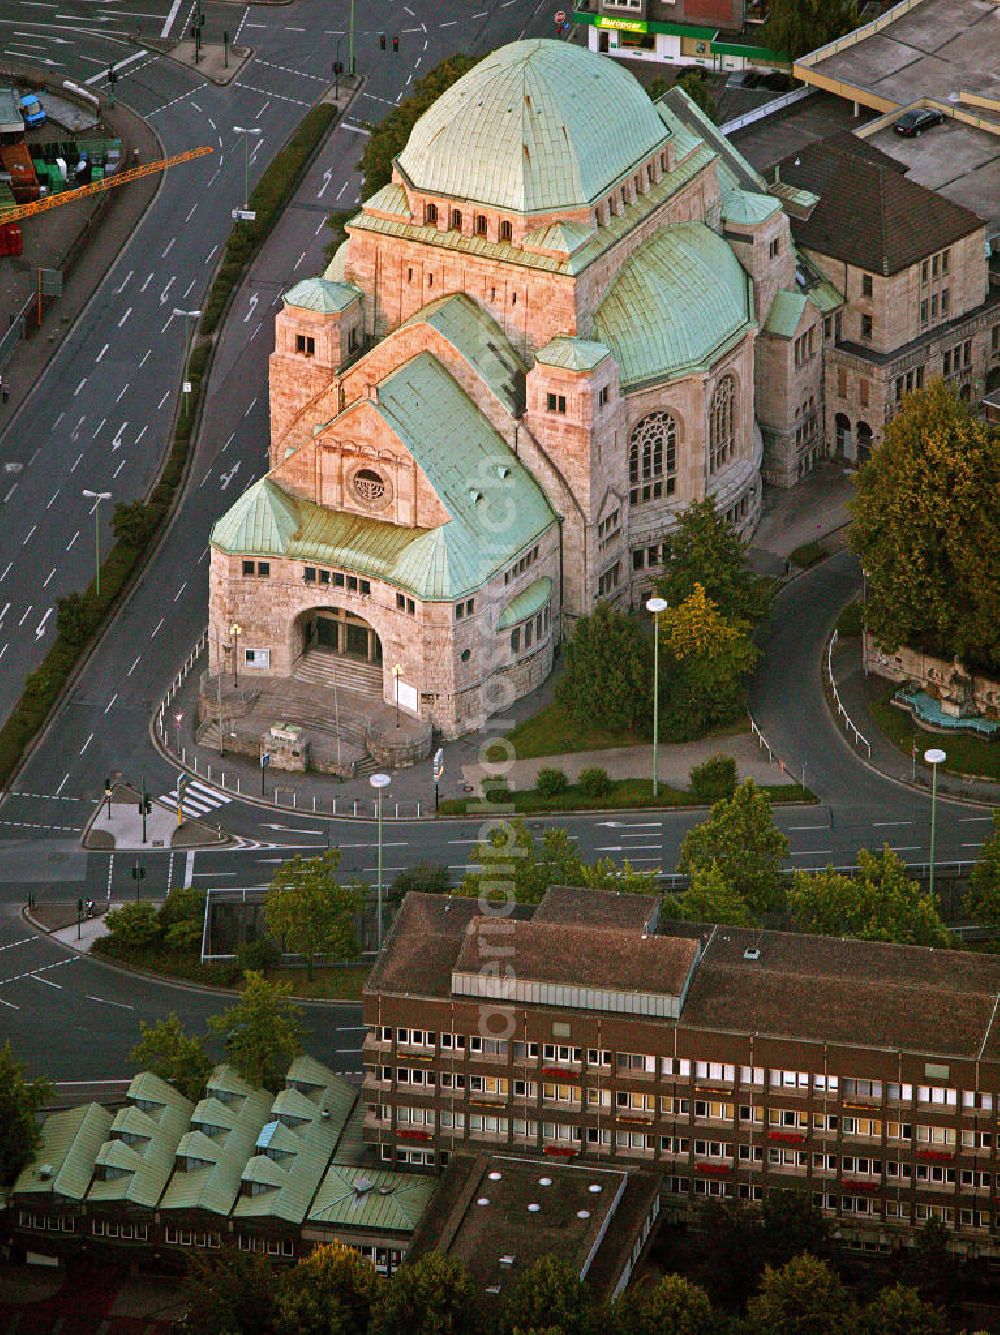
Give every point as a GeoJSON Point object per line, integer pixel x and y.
{"type": "Point", "coordinates": [959, 692]}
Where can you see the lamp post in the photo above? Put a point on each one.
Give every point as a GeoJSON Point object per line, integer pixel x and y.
{"type": "Point", "coordinates": [236, 630]}
{"type": "Point", "coordinates": [97, 497]}
{"type": "Point", "coordinates": [934, 757]}
{"type": "Point", "coordinates": [178, 720]}
{"type": "Point", "coordinates": [656, 606]}
{"type": "Point", "coordinates": [397, 672]}
{"type": "Point", "coordinates": [351, 44]}
{"type": "Point", "coordinates": [379, 782]}
{"type": "Point", "coordinates": [189, 318]}
{"type": "Point", "coordinates": [337, 68]}
{"type": "Point", "coordinates": [247, 134]}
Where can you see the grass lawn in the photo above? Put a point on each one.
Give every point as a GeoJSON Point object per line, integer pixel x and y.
{"type": "Point", "coordinates": [966, 755]}
{"type": "Point", "coordinates": [551, 732]}
{"type": "Point", "coordinates": [624, 793]}
{"type": "Point", "coordinates": [345, 983]}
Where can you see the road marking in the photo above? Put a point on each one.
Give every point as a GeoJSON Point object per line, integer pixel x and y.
{"type": "Point", "coordinates": [121, 64]}
{"type": "Point", "coordinates": [812, 853]}
{"type": "Point", "coordinates": [48, 577]}
{"type": "Point", "coordinates": [904, 848]}
{"type": "Point", "coordinates": [10, 566]}
{"type": "Point", "coordinates": [10, 493]}
{"type": "Point", "coordinates": [86, 743]}
{"type": "Point", "coordinates": [105, 1002]}
{"type": "Point", "coordinates": [10, 1005]}
{"type": "Point", "coordinates": [99, 429]}
{"type": "Point", "coordinates": [807, 827]}
{"type": "Point", "coordinates": [134, 665]}
{"type": "Point", "coordinates": [6, 609]}
{"type": "Point", "coordinates": [73, 467]}
{"type": "Point", "coordinates": [180, 590]}
{"type": "Point", "coordinates": [973, 845]}
{"type": "Point", "coordinates": [164, 399]}
{"type": "Point", "coordinates": [121, 393]}
{"type": "Point", "coordinates": [157, 628]}
{"type": "Point", "coordinates": [878, 824]}
{"type": "Point", "coordinates": [264, 93]}
{"type": "Point", "coordinates": [355, 129]}
{"type": "Point", "coordinates": [187, 290]}
{"type": "Point", "coordinates": [29, 535]}
{"type": "Point", "coordinates": [298, 261]}
{"type": "Point", "coordinates": [27, 613]}
{"type": "Point", "coordinates": [188, 869]}
{"type": "Point", "coordinates": [149, 279]}
{"type": "Point", "coordinates": [101, 353]}
{"type": "Point", "coordinates": [107, 707]}
{"type": "Point", "coordinates": [149, 353]}
{"type": "Point", "coordinates": [40, 628]}
{"type": "Point", "coordinates": [216, 247]}
{"type": "Point", "coordinates": [65, 780]}
{"type": "Point", "coordinates": [47, 981]}
{"type": "Point", "coordinates": [124, 317]}
{"type": "Point", "coordinates": [121, 287]}
{"type": "Point", "coordinates": [163, 295]}
{"type": "Point", "coordinates": [79, 386]}
{"type": "Point", "coordinates": [251, 308]}
{"type": "Point", "coordinates": [168, 21]}
{"type": "Point", "coordinates": [23, 942]}
{"type": "Point", "coordinates": [975, 820]}
{"type": "Point", "coordinates": [121, 465]}
{"type": "Point", "coordinates": [250, 406]}
{"type": "Point", "coordinates": [168, 248]}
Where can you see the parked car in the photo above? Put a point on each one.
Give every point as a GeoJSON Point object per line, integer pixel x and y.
{"type": "Point", "coordinates": [32, 110]}
{"type": "Point", "coordinates": [913, 123]}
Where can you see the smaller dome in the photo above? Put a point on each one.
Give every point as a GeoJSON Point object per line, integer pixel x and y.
{"type": "Point", "coordinates": [322, 295]}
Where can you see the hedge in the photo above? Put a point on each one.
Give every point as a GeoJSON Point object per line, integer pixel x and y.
{"type": "Point", "coordinates": [42, 687]}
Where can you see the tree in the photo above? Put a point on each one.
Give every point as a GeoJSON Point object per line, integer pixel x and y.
{"type": "Point", "coordinates": [435, 1295]}
{"type": "Point", "coordinates": [20, 1100]}
{"type": "Point", "coordinates": [166, 1049]}
{"type": "Point", "coordinates": [388, 138]}
{"type": "Point", "coordinates": [549, 1293]}
{"type": "Point", "coordinates": [925, 531]}
{"type": "Point", "coordinates": [693, 83]}
{"type": "Point", "coordinates": [261, 1032]}
{"type": "Point", "coordinates": [131, 524]}
{"type": "Point", "coordinates": [310, 912]}
{"type": "Point", "coordinates": [804, 1297]}
{"type": "Point", "coordinates": [674, 1307]}
{"type": "Point", "coordinates": [791, 1224]}
{"type": "Point", "coordinates": [133, 924]}
{"type": "Point", "coordinates": [711, 897]}
{"type": "Point", "coordinates": [431, 878]}
{"type": "Point", "coordinates": [707, 659]}
{"type": "Point", "coordinates": [799, 26]}
{"type": "Point", "coordinates": [880, 903]}
{"type": "Point", "coordinates": [901, 1311]}
{"type": "Point", "coordinates": [608, 673]}
{"type": "Point", "coordinates": [741, 838]}
{"type": "Point", "coordinates": [181, 918]}
{"type": "Point", "coordinates": [984, 883]}
{"type": "Point", "coordinates": [231, 1293]}
{"type": "Point", "coordinates": [330, 1292]}
{"type": "Point", "coordinates": [76, 617]}
{"type": "Point", "coordinates": [931, 1267]}
{"type": "Point", "coordinates": [705, 549]}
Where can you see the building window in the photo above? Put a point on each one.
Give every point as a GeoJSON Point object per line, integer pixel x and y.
{"type": "Point", "coordinates": [721, 424]}
{"type": "Point", "coordinates": [603, 396]}
{"type": "Point", "coordinates": [775, 248]}
{"type": "Point", "coordinates": [306, 344]}
{"type": "Point", "coordinates": [555, 403]}
{"type": "Point", "coordinates": [456, 220]}
{"type": "Point", "coordinates": [506, 230]}
{"type": "Point", "coordinates": [480, 224]}
{"type": "Point", "coordinates": [945, 301]}
{"type": "Point", "coordinates": [250, 566]}
{"type": "Point", "coordinates": [867, 327]}
{"type": "Point", "coordinates": [515, 640]}
{"type": "Point", "coordinates": [263, 569]}
{"type": "Point", "coordinates": [945, 261]}
{"type": "Point", "coordinates": [430, 214]}
{"type": "Point", "coordinates": [609, 581]}
{"type": "Point", "coordinates": [923, 311]}
{"type": "Point", "coordinates": [863, 387]}
{"type": "Point", "coordinates": [653, 458]}
{"type": "Point", "coordinates": [867, 286]}
{"type": "Point", "coordinates": [369, 487]}
{"type": "Point", "coordinates": [352, 339]}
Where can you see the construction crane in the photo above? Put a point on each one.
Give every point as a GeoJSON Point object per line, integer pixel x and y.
{"type": "Point", "coordinates": [20, 211]}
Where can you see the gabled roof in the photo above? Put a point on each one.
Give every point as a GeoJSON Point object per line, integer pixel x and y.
{"type": "Point", "coordinates": [68, 1150]}
{"type": "Point", "coordinates": [480, 341]}
{"type": "Point", "coordinates": [785, 313]}
{"type": "Point", "coordinates": [147, 1166]}
{"type": "Point", "coordinates": [467, 464]}
{"type": "Point", "coordinates": [676, 304]}
{"type": "Point", "coordinates": [734, 169]}
{"type": "Point", "coordinates": [379, 1200]}
{"type": "Point", "coordinates": [536, 126]}
{"type": "Point", "coordinates": [216, 1188]}
{"type": "Point", "coordinates": [870, 214]}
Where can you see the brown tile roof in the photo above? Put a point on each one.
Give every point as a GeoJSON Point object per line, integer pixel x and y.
{"type": "Point", "coordinates": [422, 945]}
{"type": "Point", "coordinates": [870, 213]}
{"type": "Point", "coordinates": [826, 989]}
{"type": "Point", "coordinates": [598, 908]}
{"type": "Point", "coordinates": [587, 956]}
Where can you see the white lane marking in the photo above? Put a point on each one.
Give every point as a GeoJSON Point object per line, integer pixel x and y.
{"type": "Point", "coordinates": [120, 65]}
{"type": "Point", "coordinates": [62, 785]}
{"type": "Point", "coordinates": [170, 282]}
{"type": "Point", "coordinates": [169, 246]}
{"type": "Point", "coordinates": [10, 566]}
{"type": "Point", "coordinates": [121, 393]}
{"type": "Point", "coordinates": [355, 129]}
{"type": "Point", "coordinates": [48, 577]}
{"type": "Point", "coordinates": [122, 285]}
{"type": "Point", "coordinates": [169, 20]}
{"type": "Point", "coordinates": [149, 279]}
{"type": "Point", "coordinates": [73, 467]}
{"type": "Point", "coordinates": [180, 590]}
{"type": "Point", "coordinates": [877, 824]}
{"type": "Point", "coordinates": [72, 539]}
{"type": "Point", "coordinates": [812, 853]}
{"type": "Point", "coordinates": [134, 665]}
{"type": "Point", "coordinates": [157, 628]}
{"type": "Point", "coordinates": [124, 317]}
{"type": "Point", "coordinates": [101, 353]}
{"type": "Point", "coordinates": [164, 399]}
{"type": "Point", "coordinates": [215, 248]}
{"type": "Point", "coordinates": [99, 429]}
{"type": "Point", "coordinates": [79, 386]}
{"type": "Point", "coordinates": [149, 353]}
{"type": "Point", "coordinates": [47, 981]}
{"type": "Point", "coordinates": [107, 707]}
{"type": "Point", "coordinates": [105, 1002]}
{"type": "Point", "coordinates": [40, 628]}
{"type": "Point", "coordinates": [27, 613]}
{"type": "Point", "coordinates": [121, 465]}
{"type": "Point", "coordinates": [86, 743]}
{"type": "Point", "coordinates": [10, 493]}
{"type": "Point", "coordinates": [188, 869]}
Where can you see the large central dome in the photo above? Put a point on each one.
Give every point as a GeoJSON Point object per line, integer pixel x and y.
{"type": "Point", "coordinates": [536, 126]}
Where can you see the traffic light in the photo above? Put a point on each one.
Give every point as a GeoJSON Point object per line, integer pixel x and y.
{"type": "Point", "coordinates": [138, 873]}
{"type": "Point", "coordinates": [145, 804]}
{"type": "Point", "coordinates": [79, 906]}
{"type": "Point", "coordinates": [112, 74]}
{"type": "Point", "coordinates": [381, 41]}
{"type": "Point", "coordinates": [395, 43]}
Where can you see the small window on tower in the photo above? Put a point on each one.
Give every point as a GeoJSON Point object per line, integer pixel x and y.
{"type": "Point", "coordinates": [305, 344]}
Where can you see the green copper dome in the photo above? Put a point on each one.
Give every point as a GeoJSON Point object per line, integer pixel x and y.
{"type": "Point", "coordinates": [536, 126]}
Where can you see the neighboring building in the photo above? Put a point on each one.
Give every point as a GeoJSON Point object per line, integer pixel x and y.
{"type": "Point", "coordinates": [730, 1061]}
{"type": "Point", "coordinates": [276, 1174]}
{"type": "Point", "coordinates": [914, 269]}
{"type": "Point", "coordinates": [710, 34]}
{"type": "Point", "coordinates": [498, 1215]}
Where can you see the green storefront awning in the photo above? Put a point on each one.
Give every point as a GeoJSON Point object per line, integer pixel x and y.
{"type": "Point", "coordinates": [645, 25]}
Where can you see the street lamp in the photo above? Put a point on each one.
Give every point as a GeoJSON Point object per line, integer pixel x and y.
{"type": "Point", "coordinates": [337, 69]}
{"type": "Point", "coordinates": [178, 720]}
{"type": "Point", "coordinates": [97, 497]}
{"type": "Point", "coordinates": [246, 133]}
{"type": "Point", "coordinates": [397, 672]}
{"type": "Point", "coordinates": [934, 757]}
{"type": "Point", "coordinates": [656, 606]}
{"type": "Point", "coordinates": [189, 318]}
{"type": "Point", "coordinates": [380, 782]}
{"type": "Point", "coordinates": [236, 630]}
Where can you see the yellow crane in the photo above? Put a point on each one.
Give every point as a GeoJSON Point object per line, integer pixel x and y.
{"type": "Point", "coordinates": [20, 211]}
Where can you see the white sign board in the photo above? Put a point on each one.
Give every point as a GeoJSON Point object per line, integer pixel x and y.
{"type": "Point", "coordinates": [407, 696]}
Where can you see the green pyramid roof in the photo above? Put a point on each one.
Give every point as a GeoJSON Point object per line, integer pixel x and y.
{"type": "Point", "coordinates": [322, 295]}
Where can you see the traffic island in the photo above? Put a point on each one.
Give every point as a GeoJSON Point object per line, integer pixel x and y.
{"type": "Point", "coordinates": [118, 822]}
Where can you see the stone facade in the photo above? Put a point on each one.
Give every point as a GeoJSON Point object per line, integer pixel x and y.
{"type": "Point", "coordinates": [960, 693]}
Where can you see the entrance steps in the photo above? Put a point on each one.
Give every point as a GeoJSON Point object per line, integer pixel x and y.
{"type": "Point", "coordinates": [347, 674]}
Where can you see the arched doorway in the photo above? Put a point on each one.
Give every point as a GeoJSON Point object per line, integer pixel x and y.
{"type": "Point", "coordinates": [845, 442]}
{"type": "Point", "coordinates": [332, 630]}
{"type": "Point", "coordinates": [864, 442]}
{"type": "Point", "coordinates": [993, 380]}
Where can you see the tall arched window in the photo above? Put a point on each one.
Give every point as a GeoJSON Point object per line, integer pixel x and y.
{"type": "Point", "coordinates": [722, 424]}
{"type": "Point", "coordinates": [506, 230]}
{"type": "Point", "coordinates": [430, 214]}
{"type": "Point", "coordinates": [652, 463]}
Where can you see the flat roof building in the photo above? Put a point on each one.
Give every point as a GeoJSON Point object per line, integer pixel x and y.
{"type": "Point", "coordinates": [728, 1060]}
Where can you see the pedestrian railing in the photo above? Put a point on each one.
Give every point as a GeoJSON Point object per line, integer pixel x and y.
{"type": "Point", "coordinates": [857, 737]}
{"type": "Point", "coordinates": [285, 795]}
{"type": "Point", "coordinates": [762, 741]}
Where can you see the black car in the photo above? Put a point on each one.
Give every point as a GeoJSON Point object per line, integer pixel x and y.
{"type": "Point", "coordinates": [912, 123]}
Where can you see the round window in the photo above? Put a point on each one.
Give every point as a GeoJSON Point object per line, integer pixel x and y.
{"type": "Point", "coordinates": [369, 486]}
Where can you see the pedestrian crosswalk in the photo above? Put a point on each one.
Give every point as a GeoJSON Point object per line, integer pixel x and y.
{"type": "Point", "coordinates": [197, 801]}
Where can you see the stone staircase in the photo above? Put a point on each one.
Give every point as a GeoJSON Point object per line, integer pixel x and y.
{"type": "Point", "coordinates": [347, 674]}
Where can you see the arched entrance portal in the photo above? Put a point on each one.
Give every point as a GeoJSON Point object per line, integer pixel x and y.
{"type": "Point", "coordinates": [332, 630]}
{"type": "Point", "coordinates": [864, 442]}
{"type": "Point", "coordinates": [845, 446]}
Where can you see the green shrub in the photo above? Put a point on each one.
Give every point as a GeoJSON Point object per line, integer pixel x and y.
{"type": "Point", "coordinates": [429, 877]}
{"type": "Point", "coordinates": [595, 782]}
{"type": "Point", "coordinates": [714, 779]}
{"type": "Point", "coordinates": [851, 619]}
{"type": "Point", "coordinates": [133, 924]}
{"type": "Point", "coordinates": [808, 555]}
{"type": "Point", "coordinates": [551, 782]}
{"type": "Point", "coordinates": [258, 955]}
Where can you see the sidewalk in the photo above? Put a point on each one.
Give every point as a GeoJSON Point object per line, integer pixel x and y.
{"type": "Point", "coordinates": [885, 757]}
{"type": "Point", "coordinates": [118, 824]}
{"type": "Point", "coordinates": [815, 509]}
